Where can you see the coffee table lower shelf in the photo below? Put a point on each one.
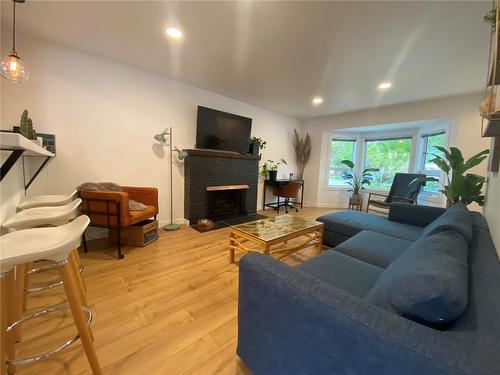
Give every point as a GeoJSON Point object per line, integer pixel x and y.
{"type": "Point", "coordinates": [278, 247]}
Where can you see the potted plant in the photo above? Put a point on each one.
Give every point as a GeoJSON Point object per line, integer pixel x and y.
{"type": "Point", "coordinates": [357, 181]}
{"type": "Point", "coordinates": [461, 187]}
{"type": "Point", "coordinates": [256, 144]}
{"type": "Point", "coordinates": [271, 168]}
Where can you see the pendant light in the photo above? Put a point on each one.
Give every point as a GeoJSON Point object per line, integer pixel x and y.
{"type": "Point", "coordinates": [12, 67]}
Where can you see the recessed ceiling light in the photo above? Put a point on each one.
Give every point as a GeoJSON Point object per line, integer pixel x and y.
{"type": "Point", "coordinates": [317, 100]}
{"type": "Point", "coordinates": [174, 32]}
{"type": "Point", "coordinates": [384, 85]}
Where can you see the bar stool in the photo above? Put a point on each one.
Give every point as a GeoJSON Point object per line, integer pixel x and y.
{"type": "Point", "coordinates": [55, 244]}
{"type": "Point", "coordinates": [46, 200]}
{"type": "Point", "coordinates": [31, 218]}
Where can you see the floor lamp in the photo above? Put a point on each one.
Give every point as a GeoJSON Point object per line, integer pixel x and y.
{"type": "Point", "coordinates": [165, 138]}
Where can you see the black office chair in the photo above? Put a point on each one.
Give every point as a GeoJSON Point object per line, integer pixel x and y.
{"type": "Point", "coordinates": [402, 190]}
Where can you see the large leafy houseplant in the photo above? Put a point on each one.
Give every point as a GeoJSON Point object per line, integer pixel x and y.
{"type": "Point", "coordinates": [355, 180]}
{"type": "Point", "coordinates": [460, 186]}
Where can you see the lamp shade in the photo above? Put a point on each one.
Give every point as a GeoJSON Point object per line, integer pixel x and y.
{"type": "Point", "coordinates": [13, 68]}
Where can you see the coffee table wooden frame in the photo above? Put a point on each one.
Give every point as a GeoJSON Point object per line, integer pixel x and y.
{"type": "Point", "coordinates": [238, 239]}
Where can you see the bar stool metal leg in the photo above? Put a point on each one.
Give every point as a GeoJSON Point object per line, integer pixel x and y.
{"type": "Point", "coordinates": [71, 287]}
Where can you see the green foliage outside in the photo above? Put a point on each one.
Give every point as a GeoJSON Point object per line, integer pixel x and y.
{"type": "Point", "coordinates": [340, 150]}
{"type": "Point", "coordinates": [390, 156]}
{"type": "Point", "coordinates": [433, 141]}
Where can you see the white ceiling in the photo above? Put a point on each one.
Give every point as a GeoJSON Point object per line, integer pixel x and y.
{"type": "Point", "coordinates": [278, 55]}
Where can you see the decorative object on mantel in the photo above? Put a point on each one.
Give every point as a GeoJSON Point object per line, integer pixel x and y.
{"type": "Point", "coordinates": [270, 168]}
{"type": "Point", "coordinates": [461, 187]}
{"type": "Point", "coordinates": [356, 181]}
{"type": "Point", "coordinates": [256, 144]}
{"type": "Point", "coordinates": [12, 67]}
{"type": "Point", "coordinates": [165, 138]}
{"type": "Point", "coordinates": [302, 148]}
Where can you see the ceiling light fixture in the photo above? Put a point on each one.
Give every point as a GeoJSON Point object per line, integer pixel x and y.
{"type": "Point", "coordinates": [317, 100]}
{"type": "Point", "coordinates": [174, 33]}
{"type": "Point", "coordinates": [385, 85]}
{"type": "Point", "coordinates": [12, 67]}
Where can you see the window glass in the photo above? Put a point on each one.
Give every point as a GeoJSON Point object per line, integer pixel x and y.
{"type": "Point", "coordinates": [431, 169]}
{"type": "Point", "coordinates": [340, 149]}
{"type": "Point", "coordinates": [390, 156]}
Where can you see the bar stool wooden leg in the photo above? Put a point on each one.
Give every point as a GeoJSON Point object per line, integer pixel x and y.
{"type": "Point", "coordinates": [27, 267]}
{"type": "Point", "coordinates": [71, 289]}
{"type": "Point", "coordinates": [78, 277]}
{"type": "Point", "coordinates": [18, 301]}
{"type": "Point", "coordinates": [78, 262]}
{"type": "Point", "coordinates": [7, 342]}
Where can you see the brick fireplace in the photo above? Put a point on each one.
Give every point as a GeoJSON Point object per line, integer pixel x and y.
{"type": "Point", "coordinates": [219, 185]}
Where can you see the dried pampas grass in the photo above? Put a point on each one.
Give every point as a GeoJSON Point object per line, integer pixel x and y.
{"type": "Point", "coordinates": [302, 152]}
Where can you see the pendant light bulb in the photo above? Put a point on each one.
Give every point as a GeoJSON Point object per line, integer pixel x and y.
{"type": "Point", "coordinates": [12, 67]}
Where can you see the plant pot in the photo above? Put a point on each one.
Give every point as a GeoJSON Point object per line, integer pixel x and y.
{"type": "Point", "coordinates": [273, 175]}
{"type": "Point", "coordinates": [254, 149]}
{"type": "Point", "coordinates": [356, 198]}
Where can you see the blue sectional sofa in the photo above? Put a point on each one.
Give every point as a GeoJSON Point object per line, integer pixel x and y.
{"type": "Point", "coordinates": [414, 293]}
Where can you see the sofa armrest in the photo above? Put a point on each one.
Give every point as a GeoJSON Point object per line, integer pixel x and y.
{"type": "Point", "coordinates": [146, 195]}
{"type": "Point", "coordinates": [96, 204]}
{"type": "Point", "coordinates": [414, 214]}
{"type": "Point", "coordinates": [291, 323]}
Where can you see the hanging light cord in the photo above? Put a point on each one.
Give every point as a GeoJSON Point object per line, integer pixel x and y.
{"type": "Point", "coordinates": [14, 27]}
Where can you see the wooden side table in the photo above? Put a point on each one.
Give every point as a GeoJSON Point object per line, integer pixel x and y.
{"type": "Point", "coordinates": [356, 204]}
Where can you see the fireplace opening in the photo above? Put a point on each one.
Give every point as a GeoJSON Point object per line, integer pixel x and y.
{"type": "Point", "coordinates": [225, 204]}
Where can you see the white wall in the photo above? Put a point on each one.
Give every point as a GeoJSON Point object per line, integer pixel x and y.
{"type": "Point", "coordinates": [105, 114]}
{"type": "Point", "coordinates": [492, 208]}
{"type": "Point", "coordinates": [460, 111]}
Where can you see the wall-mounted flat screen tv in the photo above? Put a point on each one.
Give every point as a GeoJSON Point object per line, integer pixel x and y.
{"type": "Point", "coordinates": [217, 130]}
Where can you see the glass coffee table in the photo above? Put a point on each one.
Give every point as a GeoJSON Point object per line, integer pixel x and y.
{"type": "Point", "coordinates": [271, 236]}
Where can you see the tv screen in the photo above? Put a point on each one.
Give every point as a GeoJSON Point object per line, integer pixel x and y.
{"type": "Point", "coordinates": [219, 130]}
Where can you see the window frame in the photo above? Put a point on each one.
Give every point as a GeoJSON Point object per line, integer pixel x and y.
{"type": "Point", "coordinates": [424, 138]}
{"type": "Point", "coordinates": [340, 137]}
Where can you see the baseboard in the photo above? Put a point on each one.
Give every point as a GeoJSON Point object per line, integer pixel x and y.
{"type": "Point", "coordinates": [179, 221]}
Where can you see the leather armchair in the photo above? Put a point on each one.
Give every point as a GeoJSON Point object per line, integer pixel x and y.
{"type": "Point", "coordinates": [110, 209]}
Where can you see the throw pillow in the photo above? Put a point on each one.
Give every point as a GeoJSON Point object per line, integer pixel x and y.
{"type": "Point", "coordinates": [136, 206]}
{"type": "Point", "coordinates": [111, 186]}
{"type": "Point", "coordinates": [90, 186]}
{"type": "Point", "coordinates": [428, 283]}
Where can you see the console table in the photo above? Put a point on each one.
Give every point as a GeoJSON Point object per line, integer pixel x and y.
{"type": "Point", "coordinates": [279, 184]}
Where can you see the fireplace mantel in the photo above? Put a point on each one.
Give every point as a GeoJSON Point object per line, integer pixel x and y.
{"type": "Point", "coordinates": [219, 154]}
{"type": "Point", "coordinates": [227, 187]}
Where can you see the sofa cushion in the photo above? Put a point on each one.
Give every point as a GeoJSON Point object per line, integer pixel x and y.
{"type": "Point", "coordinates": [456, 218]}
{"type": "Point", "coordinates": [344, 272]}
{"type": "Point", "coordinates": [349, 223]}
{"type": "Point", "coordinates": [428, 282]}
{"type": "Point", "coordinates": [374, 248]}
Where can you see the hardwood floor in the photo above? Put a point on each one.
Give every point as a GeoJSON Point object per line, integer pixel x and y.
{"type": "Point", "coordinates": [168, 308]}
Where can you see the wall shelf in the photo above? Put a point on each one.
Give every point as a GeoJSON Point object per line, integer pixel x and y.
{"type": "Point", "coordinates": [21, 146]}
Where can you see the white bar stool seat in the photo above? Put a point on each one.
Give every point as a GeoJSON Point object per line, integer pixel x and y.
{"type": "Point", "coordinates": [56, 244]}
{"type": "Point", "coordinates": [46, 200]}
{"type": "Point", "coordinates": [43, 216]}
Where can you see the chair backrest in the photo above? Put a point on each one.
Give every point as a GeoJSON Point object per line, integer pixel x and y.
{"type": "Point", "coordinates": [289, 190]}
{"type": "Point", "coordinates": [402, 187]}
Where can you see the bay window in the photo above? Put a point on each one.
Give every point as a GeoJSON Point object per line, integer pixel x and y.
{"type": "Point", "coordinates": [390, 156]}
{"type": "Point", "coordinates": [429, 143]}
{"type": "Point", "coordinates": [340, 149]}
